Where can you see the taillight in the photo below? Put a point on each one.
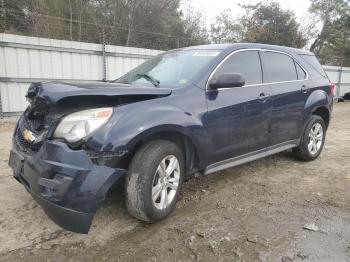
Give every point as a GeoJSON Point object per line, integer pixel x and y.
{"type": "Point", "coordinates": [331, 88]}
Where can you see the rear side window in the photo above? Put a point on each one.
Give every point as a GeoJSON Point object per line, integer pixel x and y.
{"type": "Point", "coordinates": [246, 63]}
{"type": "Point", "coordinates": [312, 61]}
{"type": "Point", "coordinates": [281, 67]}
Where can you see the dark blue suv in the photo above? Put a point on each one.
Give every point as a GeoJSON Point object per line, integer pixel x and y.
{"type": "Point", "coordinates": [193, 110]}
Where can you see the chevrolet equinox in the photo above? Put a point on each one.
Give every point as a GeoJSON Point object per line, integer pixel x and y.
{"type": "Point", "coordinates": [193, 110]}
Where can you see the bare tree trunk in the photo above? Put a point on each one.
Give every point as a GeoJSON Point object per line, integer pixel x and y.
{"type": "Point", "coordinates": [129, 34]}
{"type": "Point", "coordinates": [80, 26]}
{"type": "Point", "coordinates": [318, 43]}
{"type": "Point", "coordinates": [70, 21]}
{"type": "Point", "coordinates": [130, 22]}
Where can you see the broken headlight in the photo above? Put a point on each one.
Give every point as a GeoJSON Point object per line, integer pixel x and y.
{"type": "Point", "coordinates": [78, 125]}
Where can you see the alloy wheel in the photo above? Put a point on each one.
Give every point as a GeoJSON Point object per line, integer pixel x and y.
{"type": "Point", "coordinates": [315, 139]}
{"type": "Point", "coordinates": [165, 182]}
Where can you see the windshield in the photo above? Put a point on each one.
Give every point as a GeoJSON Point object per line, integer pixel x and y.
{"type": "Point", "coordinates": [174, 68]}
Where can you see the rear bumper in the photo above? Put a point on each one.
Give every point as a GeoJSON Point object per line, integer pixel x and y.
{"type": "Point", "coordinates": [66, 184]}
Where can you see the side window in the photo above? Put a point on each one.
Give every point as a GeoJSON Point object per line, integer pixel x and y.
{"type": "Point", "coordinates": [281, 67]}
{"type": "Point", "coordinates": [246, 63]}
{"type": "Point", "coordinates": [316, 67]}
{"type": "Point", "coordinates": [301, 73]}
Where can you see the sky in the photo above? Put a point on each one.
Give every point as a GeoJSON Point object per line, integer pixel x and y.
{"type": "Point", "coordinates": [211, 8]}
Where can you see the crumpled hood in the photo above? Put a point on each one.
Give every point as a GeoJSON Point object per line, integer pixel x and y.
{"type": "Point", "coordinates": [55, 92]}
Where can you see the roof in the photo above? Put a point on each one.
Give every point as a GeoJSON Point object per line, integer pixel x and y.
{"type": "Point", "coordinates": [236, 46]}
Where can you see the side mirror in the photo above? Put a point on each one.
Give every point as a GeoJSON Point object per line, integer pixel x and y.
{"type": "Point", "coordinates": [226, 81]}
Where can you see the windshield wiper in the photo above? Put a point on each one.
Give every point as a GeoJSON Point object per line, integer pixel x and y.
{"type": "Point", "coordinates": [151, 79]}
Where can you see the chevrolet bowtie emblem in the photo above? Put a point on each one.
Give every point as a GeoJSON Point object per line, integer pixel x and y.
{"type": "Point", "coordinates": [28, 135]}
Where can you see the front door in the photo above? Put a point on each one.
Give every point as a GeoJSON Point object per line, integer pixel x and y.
{"type": "Point", "coordinates": [238, 118]}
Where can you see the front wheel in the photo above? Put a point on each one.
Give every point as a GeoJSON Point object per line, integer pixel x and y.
{"type": "Point", "coordinates": [154, 180]}
{"type": "Point", "coordinates": [312, 140]}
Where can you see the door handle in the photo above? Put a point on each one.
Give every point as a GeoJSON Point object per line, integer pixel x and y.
{"type": "Point", "coordinates": [304, 89]}
{"type": "Point", "coordinates": [263, 97]}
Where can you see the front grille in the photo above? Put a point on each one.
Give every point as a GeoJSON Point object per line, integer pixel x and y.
{"type": "Point", "coordinates": [24, 144]}
{"type": "Point", "coordinates": [35, 124]}
{"type": "Point", "coordinates": [30, 125]}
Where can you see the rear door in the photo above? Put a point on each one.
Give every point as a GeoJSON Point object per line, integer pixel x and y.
{"type": "Point", "coordinates": [289, 93]}
{"type": "Point", "coordinates": [238, 117]}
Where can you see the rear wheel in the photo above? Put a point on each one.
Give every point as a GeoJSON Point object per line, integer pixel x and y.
{"type": "Point", "coordinates": [154, 180]}
{"type": "Point", "coordinates": [312, 140]}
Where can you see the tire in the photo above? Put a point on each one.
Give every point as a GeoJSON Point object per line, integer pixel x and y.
{"type": "Point", "coordinates": [347, 96]}
{"type": "Point", "coordinates": [145, 177]}
{"type": "Point", "coordinates": [303, 151]}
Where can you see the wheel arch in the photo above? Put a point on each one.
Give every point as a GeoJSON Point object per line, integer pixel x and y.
{"type": "Point", "coordinates": [318, 103]}
{"type": "Point", "coordinates": [187, 144]}
{"type": "Point", "coordinates": [324, 113]}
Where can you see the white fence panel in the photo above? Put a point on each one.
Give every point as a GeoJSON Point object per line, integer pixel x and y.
{"type": "Point", "coordinates": [24, 60]}
{"type": "Point", "coordinates": [12, 96]}
{"type": "Point", "coordinates": [340, 76]}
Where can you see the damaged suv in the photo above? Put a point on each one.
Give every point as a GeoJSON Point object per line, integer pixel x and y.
{"type": "Point", "coordinates": [198, 109]}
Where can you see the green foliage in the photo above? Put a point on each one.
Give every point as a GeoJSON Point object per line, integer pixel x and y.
{"type": "Point", "coordinates": [194, 27]}
{"type": "Point", "coordinates": [157, 24]}
{"type": "Point", "coordinates": [267, 23]}
{"type": "Point", "coordinates": [332, 42]}
{"type": "Point", "coordinates": [262, 23]}
{"type": "Point", "coordinates": [270, 24]}
{"type": "Point", "coordinates": [16, 19]}
{"type": "Point", "coordinates": [226, 29]}
{"type": "Point", "coordinates": [168, 24]}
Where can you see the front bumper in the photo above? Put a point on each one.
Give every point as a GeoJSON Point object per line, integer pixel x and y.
{"type": "Point", "coordinates": [65, 182]}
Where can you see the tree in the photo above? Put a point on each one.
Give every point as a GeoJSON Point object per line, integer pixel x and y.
{"type": "Point", "coordinates": [331, 43]}
{"type": "Point", "coordinates": [12, 14]}
{"type": "Point", "coordinates": [158, 24]}
{"type": "Point", "coordinates": [226, 29]}
{"type": "Point", "coordinates": [263, 23]}
{"type": "Point", "coordinates": [269, 24]}
{"type": "Point", "coordinates": [194, 30]}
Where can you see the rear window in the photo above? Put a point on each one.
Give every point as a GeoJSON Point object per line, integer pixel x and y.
{"type": "Point", "coordinates": [281, 67]}
{"type": "Point", "coordinates": [312, 61]}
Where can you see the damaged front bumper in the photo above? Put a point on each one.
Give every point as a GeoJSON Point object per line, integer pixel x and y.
{"type": "Point", "coordinates": [65, 182]}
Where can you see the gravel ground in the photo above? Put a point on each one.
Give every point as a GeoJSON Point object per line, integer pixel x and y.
{"type": "Point", "coordinates": [273, 209]}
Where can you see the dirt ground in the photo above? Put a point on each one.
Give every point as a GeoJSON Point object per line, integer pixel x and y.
{"type": "Point", "coordinates": [254, 212]}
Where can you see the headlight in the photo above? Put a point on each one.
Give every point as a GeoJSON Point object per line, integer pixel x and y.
{"type": "Point", "coordinates": [80, 124]}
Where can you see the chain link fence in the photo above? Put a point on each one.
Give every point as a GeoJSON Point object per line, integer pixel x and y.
{"type": "Point", "coordinates": [93, 31]}
{"type": "Point", "coordinates": [47, 26]}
